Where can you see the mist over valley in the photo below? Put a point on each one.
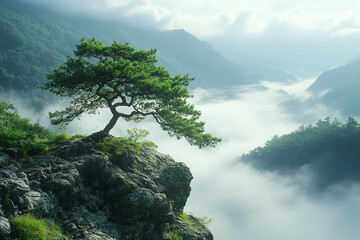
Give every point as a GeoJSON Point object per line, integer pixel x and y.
{"type": "Point", "coordinates": [287, 166]}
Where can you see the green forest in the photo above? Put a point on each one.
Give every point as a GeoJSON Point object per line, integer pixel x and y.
{"type": "Point", "coordinates": [329, 148]}
{"type": "Point", "coordinates": [30, 47]}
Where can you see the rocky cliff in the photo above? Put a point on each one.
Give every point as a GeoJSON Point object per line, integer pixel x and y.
{"type": "Point", "coordinates": [129, 195]}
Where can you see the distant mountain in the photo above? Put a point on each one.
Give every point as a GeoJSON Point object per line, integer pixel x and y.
{"type": "Point", "coordinates": [34, 40]}
{"type": "Point", "coordinates": [338, 88]}
{"type": "Point", "coordinates": [269, 74]}
{"type": "Point", "coordinates": [179, 51]}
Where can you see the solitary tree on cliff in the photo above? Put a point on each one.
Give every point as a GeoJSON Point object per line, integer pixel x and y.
{"type": "Point", "coordinates": [119, 77]}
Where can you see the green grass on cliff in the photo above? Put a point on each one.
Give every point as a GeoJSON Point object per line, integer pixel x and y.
{"type": "Point", "coordinates": [111, 146]}
{"type": "Point", "coordinates": [27, 227]}
{"type": "Point", "coordinates": [175, 235]}
{"type": "Point", "coordinates": [196, 222]}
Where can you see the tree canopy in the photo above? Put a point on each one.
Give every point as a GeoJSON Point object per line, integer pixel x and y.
{"type": "Point", "coordinates": [131, 85]}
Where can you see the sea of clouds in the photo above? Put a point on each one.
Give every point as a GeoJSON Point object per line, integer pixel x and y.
{"type": "Point", "coordinates": [246, 203]}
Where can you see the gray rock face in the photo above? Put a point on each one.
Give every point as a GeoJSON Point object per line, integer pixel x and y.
{"type": "Point", "coordinates": [129, 196]}
{"type": "Point", "coordinates": [4, 228]}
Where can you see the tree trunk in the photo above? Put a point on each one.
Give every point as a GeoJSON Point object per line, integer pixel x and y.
{"type": "Point", "coordinates": [110, 125]}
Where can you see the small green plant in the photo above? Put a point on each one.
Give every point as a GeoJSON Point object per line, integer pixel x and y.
{"type": "Point", "coordinates": [175, 235]}
{"type": "Point", "coordinates": [114, 146]}
{"type": "Point", "coordinates": [60, 138]}
{"type": "Point", "coordinates": [77, 137]}
{"type": "Point", "coordinates": [33, 148]}
{"type": "Point", "coordinates": [28, 227]}
{"type": "Point", "coordinates": [64, 137]}
{"type": "Point", "coordinates": [137, 134]}
{"type": "Point", "coordinates": [196, 222]}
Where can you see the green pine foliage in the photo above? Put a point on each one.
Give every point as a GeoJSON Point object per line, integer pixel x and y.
{"type": "Point", "coordinates": [137, 134]}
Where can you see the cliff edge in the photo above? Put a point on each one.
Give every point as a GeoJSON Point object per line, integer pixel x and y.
{"type": "Point", "coordinates": [132, 194]}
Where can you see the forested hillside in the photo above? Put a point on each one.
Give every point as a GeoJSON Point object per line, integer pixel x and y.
{"type": "Point", "coordinates": [34, 40]}
{"type": "Point", "coordinates": [31, 44]}
{"type": "Point", "coordinates": [330, 150]}
{"type": "Point", "coordinates": [339, 88]}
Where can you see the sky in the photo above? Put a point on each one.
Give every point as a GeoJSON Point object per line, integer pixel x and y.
{"type": "Point", "coordinates": [208, 18]}
{"type": "Point", "coordinates": [302, 37]}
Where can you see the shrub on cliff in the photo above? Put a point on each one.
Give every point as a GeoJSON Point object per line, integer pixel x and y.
{"type": "Point", "coordinates": [14, 129]}
{"type": "Point", "coordinates": [29, 138]}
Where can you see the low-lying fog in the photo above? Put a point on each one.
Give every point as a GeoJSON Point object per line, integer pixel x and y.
{"type": "Point", "coordinates": [247, 204]}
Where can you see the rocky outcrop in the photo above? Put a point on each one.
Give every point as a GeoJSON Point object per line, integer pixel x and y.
{"type": "Point", "coordinates": [132, 195]}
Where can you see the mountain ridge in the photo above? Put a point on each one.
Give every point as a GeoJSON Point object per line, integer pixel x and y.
{"type": "Point", "coordinates": [338, 88]}
{"type": "Point", "coordinates": [45, 38]}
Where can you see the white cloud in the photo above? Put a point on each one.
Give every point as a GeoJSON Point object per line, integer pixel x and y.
{"type": "Point", "coordinates": [142, 13]}
{"type": "Point", "coordinates": [214, 17]}
{"type": "Point", "coordinates": [347, 31]}
{"type": "Point", "coordinates": [247, 204]}
{"type": "Point", "coordinates": [206, 18]}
